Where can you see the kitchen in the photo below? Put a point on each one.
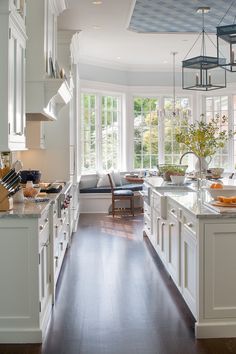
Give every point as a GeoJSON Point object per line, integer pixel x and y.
{"type": "Point", "coordinates": [49, 143]}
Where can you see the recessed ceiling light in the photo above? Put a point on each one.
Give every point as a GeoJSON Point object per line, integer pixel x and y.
{"type": "Point", "coordinates": [118, 58]}
{"type": "Point", "coordinates": [97, 2]}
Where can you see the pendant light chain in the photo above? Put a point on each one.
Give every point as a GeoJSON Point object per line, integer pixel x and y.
{"type": "Point", "coordinates": [226, 12]}
{"type": "Point", "coordinates": [174, 98]}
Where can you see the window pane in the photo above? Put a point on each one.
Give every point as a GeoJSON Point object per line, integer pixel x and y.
{"type": "Point", "coordinates": [218, 106]}
{"type": "Point", "coordinates": [100, 132]}
{"type": "Point", "coordinates": [172, 149]}
{"type": "Point", "coordinates": [145, 132]}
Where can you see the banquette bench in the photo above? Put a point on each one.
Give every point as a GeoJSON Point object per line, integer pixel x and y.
{"type": "Point", "coordinates": [95, 192]}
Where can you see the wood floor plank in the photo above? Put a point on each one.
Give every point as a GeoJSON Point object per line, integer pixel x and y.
{"type": "Point", "coordinates": [114, 296]}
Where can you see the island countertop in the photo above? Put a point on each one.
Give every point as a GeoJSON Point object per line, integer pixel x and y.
{"type": "Point", "coordinates": [197, 203]}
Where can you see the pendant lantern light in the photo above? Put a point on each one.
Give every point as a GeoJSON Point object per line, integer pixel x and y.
{"type": "Point", "coordinates": [203, 73]}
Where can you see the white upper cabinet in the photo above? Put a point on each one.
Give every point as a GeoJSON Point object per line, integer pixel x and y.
{"type": "Point", "coordinates": [12, 75]}
{"type": "Point", "coordinates": [46, 88]}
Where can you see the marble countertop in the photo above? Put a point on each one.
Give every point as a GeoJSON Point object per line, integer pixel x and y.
{"type": "Point", "coordinates": [197, 203]}
{"type": "Point", "coordinates": [31, 208]}
{"type": "Point", "coordinates": [194, 203]}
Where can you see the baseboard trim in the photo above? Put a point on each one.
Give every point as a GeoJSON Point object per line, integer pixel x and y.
{"type": "Point", "coordinates": [215, 330]}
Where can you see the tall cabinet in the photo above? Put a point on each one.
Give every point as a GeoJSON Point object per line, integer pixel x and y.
{"type": "Point", "coordinates": [12, 75]}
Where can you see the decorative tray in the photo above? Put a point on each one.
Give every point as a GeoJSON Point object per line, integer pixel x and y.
{"type": "Point", "coordinates": [221, 204]}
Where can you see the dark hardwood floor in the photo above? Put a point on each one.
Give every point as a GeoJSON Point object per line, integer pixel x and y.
{"type": "Point", "coordinates": [114, 297]}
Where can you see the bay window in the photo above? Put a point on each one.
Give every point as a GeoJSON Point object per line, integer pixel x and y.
{"type": "Point", "coordinates": [154, 130]}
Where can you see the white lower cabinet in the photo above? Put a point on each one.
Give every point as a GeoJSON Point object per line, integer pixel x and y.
{"type": "Point", "coordinates": [173, 235]}
{"type": "Point", "coordinates": [60, 228]}
{"type": "Point", "coordinates": [188, 274]}
{"type": "Point", "coordinates": [174, 250]}
{"type": "Point", "coordinates": [25, 275]}
{"type": "Point", "coordinates": [44, 267]}
{"type": "Point", "coordinates": [220, 264]}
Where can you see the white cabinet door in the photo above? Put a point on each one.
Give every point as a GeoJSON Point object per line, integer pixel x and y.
{"type": "Point", "coordinates": [44, 268]}
{"type": "Point", "coordinates": [188, 274]}
{"type": "Point", "coordinates": [12, 85]}
{"type": "Point", "coordinates": [17, 89]}
{"type": "Point", "coordinates": [164, 242]}
{"type": "Point", "coordinates": [174, 250]}
{"type": "Point", "coordinates": [220, 265]}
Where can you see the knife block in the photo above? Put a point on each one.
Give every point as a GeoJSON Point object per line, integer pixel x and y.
{"type": "Point", "coordinates": [6, 203]}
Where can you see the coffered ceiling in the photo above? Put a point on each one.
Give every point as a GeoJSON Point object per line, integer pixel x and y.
{"type": "Point", "coordinates": [140, 35]}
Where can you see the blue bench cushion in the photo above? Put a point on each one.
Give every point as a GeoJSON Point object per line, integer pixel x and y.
{"type": "Point", "coordinates": [133, 187]}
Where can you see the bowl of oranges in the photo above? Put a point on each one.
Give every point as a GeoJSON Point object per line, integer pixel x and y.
{"type": "Point", "coordinates": [218, 189]}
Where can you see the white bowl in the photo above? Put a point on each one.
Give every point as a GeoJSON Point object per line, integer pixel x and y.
{"type": "Point", "coordinates": [226, 191]}
{"type": "Point", "coordinates": [177, 179]}
{"type": "Point", "coordinates": [216, 171]}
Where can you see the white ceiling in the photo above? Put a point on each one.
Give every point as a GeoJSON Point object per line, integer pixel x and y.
{"type": "Point", "coordinates": [114, 46]}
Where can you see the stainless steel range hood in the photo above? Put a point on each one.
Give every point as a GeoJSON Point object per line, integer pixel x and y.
{"type": "Point", "coordinates": [46, 98]}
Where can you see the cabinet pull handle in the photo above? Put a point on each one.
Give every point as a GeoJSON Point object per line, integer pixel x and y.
{"type": "Point", "coordinates": [19, 133]}
{"type": "Point", "coordinates": [189, 224]}
{"type": "Point", "coordinates": [46, 244]}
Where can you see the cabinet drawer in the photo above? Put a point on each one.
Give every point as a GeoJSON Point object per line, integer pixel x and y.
{"type": "Point", "coordinates": [147, 209]}
{"type": "Point", "coordinates": [172, 210]}
{"type": "Point", "coordinates": [43, 229]}
{"type": "Point", "coordinates": [156, 201]}
{"type": "Point", "coordinates": [189, 222]}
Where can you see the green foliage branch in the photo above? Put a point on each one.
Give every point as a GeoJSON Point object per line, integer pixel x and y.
{"type": "Point", "coordinates": [202, 138]}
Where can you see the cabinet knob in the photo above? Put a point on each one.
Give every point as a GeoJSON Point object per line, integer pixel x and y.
{"type": "Point", "coordinates": [46, 220]}
{"type": "Point", "coordinates": [162, 223]}
{"type": "Point", "coordinates": [171, 224]}
{"type": "Point", "coordinates": [158, 218]}
{"type": "Point", "coordinates": [172, 210]}
{"type": "Point", "coordinates": [189, 224]}
{"type": "Point", "coordinates": [55, 212]}
{"type": "Point", "coordinates": [41, 227]}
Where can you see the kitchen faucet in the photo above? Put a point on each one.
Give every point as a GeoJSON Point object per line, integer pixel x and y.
{"type": "Point", "coordinates": [200, 166]}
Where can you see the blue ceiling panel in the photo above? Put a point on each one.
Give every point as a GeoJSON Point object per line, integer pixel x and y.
{"type": "Point", "coordinates": [180, 15]}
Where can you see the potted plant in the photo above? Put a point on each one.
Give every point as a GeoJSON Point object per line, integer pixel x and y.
{"type": "Point", "coordinates": [204, 139]}
{"type": "Point", "coordinates": [167, 170]}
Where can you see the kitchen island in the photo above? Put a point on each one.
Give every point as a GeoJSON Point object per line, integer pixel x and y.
{"type": "Point", "coordinates": [34, 237]}
{"type": "Point", "coordinates": [196, 243]}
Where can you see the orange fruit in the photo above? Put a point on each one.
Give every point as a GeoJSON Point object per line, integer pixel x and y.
{"type": "Point", "coordinates": [216, 186]}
